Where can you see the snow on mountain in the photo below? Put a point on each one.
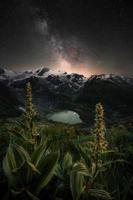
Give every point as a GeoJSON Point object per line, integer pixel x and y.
{"type": "Point", "coordinates": [52, 89]}
{"type": "Point", "coordinates": [112, 78]}
{"type": "Point", "coordinates": [6, 74]}
{"type": "Point", "coordinates": [56, 78]}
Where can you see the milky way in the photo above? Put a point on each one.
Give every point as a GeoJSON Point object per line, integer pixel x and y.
{"type": "Point", "coordinates": [88, 37]}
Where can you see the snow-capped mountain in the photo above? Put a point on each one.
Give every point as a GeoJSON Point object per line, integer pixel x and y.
{"type": "Point", "coordinates": [56, 81]}
{"type": "Point", "coordinates": [6, 74]}
{"type": "Point", "coordinates": [114, 91]}
{"type": "Point", "coordinates": [56, 77]}
{"type": "Point", "coordinates": [112, 78]}
{"type": "Point", "coordinates": [53, 89]}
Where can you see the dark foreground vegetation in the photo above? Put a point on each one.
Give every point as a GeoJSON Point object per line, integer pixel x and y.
{"type": "Point", "coordinates": [57, 162]}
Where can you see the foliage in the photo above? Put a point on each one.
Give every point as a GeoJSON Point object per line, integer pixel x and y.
{"type": "Point", "coordinates": [121, 138]}
{"type": "Point", "coordinates": [83, 174]}
{"type": "Point", "coordinates": [22, 169]}
{"type": "Point", "coordinates": [30, 114]}
{"type": "Point", "coordinates": [59, 162]}
{"type": "Point", "coordinates": [29, 164]}
{"type": "Point", "coordinates": [122, 182]}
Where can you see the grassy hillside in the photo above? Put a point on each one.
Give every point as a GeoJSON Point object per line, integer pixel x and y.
{"type": "Point", "coordinates": [45, 160]}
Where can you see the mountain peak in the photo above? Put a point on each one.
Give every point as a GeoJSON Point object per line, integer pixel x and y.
{"type": "Point", "coordinates": [112, 78]}
{"type": "Point", "coordinates": [5, 73]}
{"type": "Point", "coordinates": [45, 72]}
{"type": "Point", "coordinates": [105, 76]}
{"type": "Point", "coordinates": [38, 71]}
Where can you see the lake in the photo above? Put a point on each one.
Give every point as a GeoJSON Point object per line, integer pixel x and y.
{"type": "Point", "coordinates": [69, 117]}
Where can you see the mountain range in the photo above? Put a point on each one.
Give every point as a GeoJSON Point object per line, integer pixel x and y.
{"type": "Point", "coordinates": [56, 90]}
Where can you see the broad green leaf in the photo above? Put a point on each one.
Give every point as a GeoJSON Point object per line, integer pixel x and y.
{"type": "Point", "coordinates": [67, 161]}
{"type": "Point", "coordinates": [17, 192]}
{"type": "Point", "coordinates": [9, 165]}
{"type": "Point", "coordinates": [86, 155]}
{"type": "Point", "coordinates": [49, 168]}
{"type": "Point", "coordinates": [81, 168]}
{"type": "Point", "coordinates": [76, 184]}
{"type": "Point", "coordinates": [59, 172]}
{"type": "Point", "coordinates": [38, 155]}
{"type": "Point", "coordinates": [23, 153]}
{"type": "Point", "coordinates": [100, 194]}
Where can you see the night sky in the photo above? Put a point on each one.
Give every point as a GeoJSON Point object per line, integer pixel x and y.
{"type": "Point", "coordinates": [83, 36]}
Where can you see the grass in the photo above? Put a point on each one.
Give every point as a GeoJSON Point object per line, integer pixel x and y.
{"type": "Point", "coordinates": [55, 161]}
{"type": "Point", "coordinates": [74, 147]}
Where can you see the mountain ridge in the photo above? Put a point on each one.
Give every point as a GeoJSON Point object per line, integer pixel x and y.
{"type": "Point", "coordinates": [45, 72]}
{"type": "Point", "coordinates": [55, 90]}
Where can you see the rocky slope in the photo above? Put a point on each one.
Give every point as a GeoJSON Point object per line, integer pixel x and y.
{"type": "Point", "coordinates": [57, 90]}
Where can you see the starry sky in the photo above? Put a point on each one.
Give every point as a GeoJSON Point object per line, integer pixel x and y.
{"type": "Point", "coordinates": [84, 36]}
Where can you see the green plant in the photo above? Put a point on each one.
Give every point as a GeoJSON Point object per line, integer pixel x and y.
{"type": "Point", "coordinates": [86, 180]}
{"type": "Point", "coordinates": [120, 175]}
{"type": "Point", "coordinates": [87, 174]}
{"type": "Point", "coordinates": [53, 159]}
{"type": "Point", "coordinates": [80, 177]}
{"type": "Point", "coordinates": [29, 173]}
{"type": "Point", "coordinates": [29, 163]}
{"type": "Point", "coordinates": [30, 115]}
